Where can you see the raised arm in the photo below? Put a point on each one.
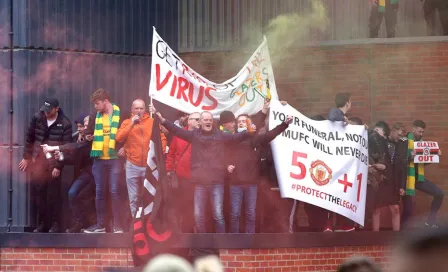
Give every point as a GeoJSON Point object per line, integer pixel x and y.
{"type": "Point", "coordinates": [237, 137]}
{"type": "Point", "coordinates": [186, 135]}
{"type": "Point", "coordinates": [271, 134]}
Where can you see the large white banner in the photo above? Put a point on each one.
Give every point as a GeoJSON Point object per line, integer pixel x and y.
{"type": "Point", "coordinates": [321, 162]}
{"type": "Point", "coordinates": [175, 84]}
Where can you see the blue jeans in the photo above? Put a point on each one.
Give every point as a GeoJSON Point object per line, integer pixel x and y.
{"type": "Point", "coordinates": [201, 195]}
{"type": "Point", "coordinates": [237, 193]}
{"type": "Point", "coordinates": [107, 173]}
{"type": "Point", "coordinates": [79, 194]}
{"type": "Point", "coordinates": [431, 189]}
{"type": "Point", "coordinates": [135, 175]}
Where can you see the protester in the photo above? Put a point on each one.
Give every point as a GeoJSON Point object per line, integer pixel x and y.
{"type": "Point", "coordinates": [182, 119]}
{"type": "Point", "coordinates": [383, 190]}
{"type": "Point", "coordinates": [416, 180]}
{"type": "Point", "coordinates": [227, 121]}
{"type": "Point", "coordinates": [178, 164]}
{"type": "Point", "coordinates": [244, 167]}
{"type": "Point", "coordinates": [343, 105]}
{"type": "Point", "coordinates": [358, 264]}
{"type": "Point", "coordinates": [79, 123]}
{"type": "Point", "coordinates": [107, 167]}
{"type": "Point", "coordinates": [48, 126]}
{"type": "Point", "coordinates": [429, 11]}
{"type": "Point", "coordinates": [135, 133]}
{"type": "Point", "coordinates": [207, 166]}
{"type": "Point", "coordinates": [82, 190]}
{"type": "Point", "coordinates": [386, 9]}
{"type": "Point", "coordinates": [389, 191]}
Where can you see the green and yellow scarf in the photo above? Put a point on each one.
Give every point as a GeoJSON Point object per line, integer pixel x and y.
{"type": "Point", "coordinates": [410, 181]}
{"type": "Point", "coordinates": [382, 4]}
{"type": "Point", "coordinates": [98, 141]}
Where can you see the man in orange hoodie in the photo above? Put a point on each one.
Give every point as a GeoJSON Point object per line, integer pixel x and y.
{"type": "Point", "coordinates": [136, 132]}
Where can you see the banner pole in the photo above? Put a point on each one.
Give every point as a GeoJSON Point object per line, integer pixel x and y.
{"type": "Point", "coordinates": [150, 105]}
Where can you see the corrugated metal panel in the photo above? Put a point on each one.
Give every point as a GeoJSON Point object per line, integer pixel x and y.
{"type": "Point", "coordinates": [72, 77]}
{"type": "Point", "coordinates": [21, 209]}
{"type": "Point", "coordinates": [4, 96]}
{"type": "Point", "coordinates": [112, 26]}
{"type": "Point", "coordinates": [214, 25]}
{"type": "Point", "coordinates": [20, 197]}
{"type": "Point", "coordinates": [4, 23]}
{"type": "Point", "coordinates": [4, 168]}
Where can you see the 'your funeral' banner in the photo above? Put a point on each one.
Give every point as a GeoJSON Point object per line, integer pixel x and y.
{"type": "Point", "coordinates": [175, 84]}
{"type": "Point", "coordinates": [321, 162]}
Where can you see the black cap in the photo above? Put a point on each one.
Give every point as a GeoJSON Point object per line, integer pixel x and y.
{"type": "Point", "coordinates": [226, 117]}
{"type": "Point", "coordinates": [49, 104]}
{"type": "Point", "coordinates": [80, 119]}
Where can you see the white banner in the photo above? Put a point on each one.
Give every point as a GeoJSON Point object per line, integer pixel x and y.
{"type": "Point", "coordinates": [426, 152]}
{"type": "Point", "coordinates": [177, 85]}
{"type": "Point", "coordinates": [321, 162]}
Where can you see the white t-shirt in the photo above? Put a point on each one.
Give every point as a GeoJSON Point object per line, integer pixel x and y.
{"type": "Point", "coordinates": [50, 122]}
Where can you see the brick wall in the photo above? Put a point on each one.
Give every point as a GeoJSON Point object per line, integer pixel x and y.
{"type": "Point", "coordinates": [63, 259]}
{"type": "Point", "coordinates": [259, 260]}
{"type": "Point", "coordinates": [296, 259]}
{"type": "Point", "coordinates": [391, 82]}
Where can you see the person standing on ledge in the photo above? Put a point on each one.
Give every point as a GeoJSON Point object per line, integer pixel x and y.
{"type": "Point", "coordinates": [387, 9]}
{"type": "Point", "coordinates": [107, 167]}
{"type": "Point", "coordinates": [48, 126]}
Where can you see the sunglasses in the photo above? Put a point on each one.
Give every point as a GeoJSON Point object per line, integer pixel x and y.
{"type": "Point", "coordinates": [196, 119]}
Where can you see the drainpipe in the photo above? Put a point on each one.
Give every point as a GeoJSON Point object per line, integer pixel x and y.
{"type": "Point", "coordinates": [371, 83]}
{"type": "Point", "coordinates": [11, 112]}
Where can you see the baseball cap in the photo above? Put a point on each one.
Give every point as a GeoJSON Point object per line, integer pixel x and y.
{"type": "Point", "coordinates": [49, 104]}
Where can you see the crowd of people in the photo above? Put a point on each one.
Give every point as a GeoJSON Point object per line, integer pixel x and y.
{"type": "Point", "coordinates": [388, 9]}
{"type": "Point", "coordinates": [220, 166]}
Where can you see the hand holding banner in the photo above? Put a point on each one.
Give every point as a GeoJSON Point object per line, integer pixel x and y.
{"type": "Point", "coordinates": [321, 162]}
{"type": "Point", "coordinates": [426, 152]}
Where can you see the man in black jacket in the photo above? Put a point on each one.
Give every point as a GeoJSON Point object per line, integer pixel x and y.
{"type": "Point", "coordinates": [207, 166]}
{"type": "Point", "coordinates": [244, 168]}
{"type": "Point", "coordinates": [48, 126]}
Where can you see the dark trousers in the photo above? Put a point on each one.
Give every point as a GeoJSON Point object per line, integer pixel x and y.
{"type": "Point", "coordinates": [81, 195]}
{"type": "Point", "coordinates": [376, 18]}
{"type": "Point", "coordinates": [428, 188]}
{"type": "Point", "coordinates": [429, 9]}
{"type": "Point", "coordinates": [47, 193]}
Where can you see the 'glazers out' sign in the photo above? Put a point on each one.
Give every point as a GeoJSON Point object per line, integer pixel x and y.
{"type": "Point", "coordinates": [426, 152]}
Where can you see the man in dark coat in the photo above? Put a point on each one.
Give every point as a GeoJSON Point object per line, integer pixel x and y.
{"type": "Point", "coordinates": [48, 126]}
{"type": "Point", "coordinates": [207, 166]}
